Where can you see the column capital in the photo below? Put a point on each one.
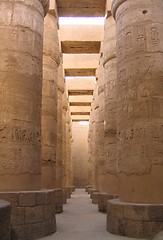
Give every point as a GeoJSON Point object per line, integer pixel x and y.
{"type": "Point", "coordinates": [115, 5]}
{"type": "Point", "coordinates": [45, 4]}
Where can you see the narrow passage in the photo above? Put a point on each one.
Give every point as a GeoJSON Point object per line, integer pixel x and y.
{"type": "Point", "coordinates": [81, 221]}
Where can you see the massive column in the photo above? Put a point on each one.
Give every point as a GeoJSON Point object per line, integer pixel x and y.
{"type": "Point", "coordinates": [100, 121]}
{"type": "Point", "coordinates": [109, 178]}
{"type": "Point", "coordinates": [59, 160]}
{"type": "Point", "coordinates": [96, 135]}
{"type": "Point", "coordinates": [21, 41]}
{"type": "Point", "coordinates": [91, 139]}
{"type": "Point", "coordinates": [108, 181]}
{"type": "Point", "coordinates": [139, 212]}
{"type": "Point", "coordinates": [51, 59]}
{"type": "Point", "coordinates": [21, 47]}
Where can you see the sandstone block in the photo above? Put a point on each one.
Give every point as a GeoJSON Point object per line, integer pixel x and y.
{"type": "Point", "coordinates": [27, 199]}
{"type": "Point", "coordinates": [34, 214]}
{"type": "Point", "coordinates": [17, 216]}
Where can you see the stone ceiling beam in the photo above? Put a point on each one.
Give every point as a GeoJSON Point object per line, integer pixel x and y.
{"type": "Point", "coordinates": [81, 60]}
{"type": "Point", "coordinates": [74, 104]}
{"type": "Point", "coordinates": [82, 32]}
{"type": "Point", "coordinates": [85, 98]}
{"type": "Point", "coordinates": [80, 117]}
{"type": "Point", "coordinates": [82, 8]}
{"type": "Point", "coordinates": [80, 72]}
{"type": "Point", "coordinates": [80, 113]}
{"type": "Point", "coordinates": [80, 47]}
{"type": "Point", "coordinates": [80, 92]}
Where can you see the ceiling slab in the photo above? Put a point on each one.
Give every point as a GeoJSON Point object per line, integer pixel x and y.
{"type": "Point", "coordinates": [80, 47]}
{"type": "Point", "coordinates": [81, 61]}
{"type": "Point", "coordinates": [80, 108]}
{"type": "Point", "coordinates": [81, 98]}
{"type": "Point", "coordinates": [80, 120]}
{"type": "Point", "coordinates": [82, 8]}
{"type": "Point", "coordinates": [78, 104]}
{"type": "Point", "coordinates": [80, 92]}
{"type": "Point", "coordinates": [76, 72]}
{"type": "Point", "coordinates": [80, 113]}
{"type": "Point", "coordinates": [80, 117]}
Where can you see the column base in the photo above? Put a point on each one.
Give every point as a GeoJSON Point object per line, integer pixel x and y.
{"type": "Point", "coordinates": [5, 216]}
{"type": "Point", "coordinates": [59, 200]}
{"type": "Point", "coordinates": [92, 191]}
{"type": "Point", "coordinates": [103, 199]}
{"type": "Point", "coordinates": [32, 213]}
{"type": "Point", "coordinates": [68, 192]}
{"type": "Point", "coordinates": [87, 188]}
{"type": "Point", "coordinates": [159, 236]}
{"type": "Point", "coordinates": [64, 196]}
{"type": "Point", "coordinates": [134, 220]}
{"type": "Point", "coordinates": [95, 197]}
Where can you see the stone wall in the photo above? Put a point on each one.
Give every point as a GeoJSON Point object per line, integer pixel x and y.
{"type": "Point", "coordinates": [80, 154]}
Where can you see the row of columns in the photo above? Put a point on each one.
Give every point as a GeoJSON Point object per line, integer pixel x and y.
{"type": "Point", "coordinates": [131, 166]}
{"type": "Point", "coordinates": [35, 121]}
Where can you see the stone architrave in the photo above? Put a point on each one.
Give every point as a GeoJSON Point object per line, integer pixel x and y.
{"type": "Point", "coordinates": [51, 59]}
{"type": "Point", "coordinates": [139, 211]}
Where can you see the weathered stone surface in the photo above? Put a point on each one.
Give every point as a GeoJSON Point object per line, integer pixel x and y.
{"type": "Point", "coordinates": [21, 93]}
{"type": "Point", "coordinates": [134, 220]}
{"type": "Point", "coordinates": [80, 47]}
{"type": "Point", "coordinates": [5, 214]}
{"type": "Point", "coordinates": [103, 199]}
{"type": "Point", "coordinates": [80, 158]}
{"type": "Point", "coordinates": [51, 58]}
{"type": "Point", "coordinates": [82, 8]}
{"type": "Point", "coordinates": [139, 116]}
{"type": "Point", "coordinates": [95, 197]}
{"type": "Point", "coordinates": [108, 177]}
{"type": "Point", "coordinates": [33, 216]}
{"type": "Point", "coordinates": [59, 200]}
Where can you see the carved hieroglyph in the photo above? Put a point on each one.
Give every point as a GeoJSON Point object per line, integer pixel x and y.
{"type": "Point", "coordinates": [140, 89]}
{"type": "Point", "coordinates": [21, 30]}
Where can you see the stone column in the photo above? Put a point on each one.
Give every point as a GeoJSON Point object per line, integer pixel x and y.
{"type": "Point", "coordinates": [96, 137]}
{"type": "Point", "coordinates": [59, 161]}
{"type": "Point", "coordinates": [21, 41]}
{"type": "Point", "coordinates": [21, 46]}
{"type": "Point", "coordinates": [51, 59]}
{"type": "Point", "coordinates": [92, 146]}
{"type": "Point", "coordinates": [139, 212]}
{"type": "Point", "coordinates": [64, 109]}
{"type": "Point", "coordinates": [100, 120]}
{"type": "Point", "coordinates": [109, 179]}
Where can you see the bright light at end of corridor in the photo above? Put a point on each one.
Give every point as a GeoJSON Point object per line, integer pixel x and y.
{"type": "Point", "coordinates": [81, 21]}
{"type": "Point", "coordinates": [84, 122]}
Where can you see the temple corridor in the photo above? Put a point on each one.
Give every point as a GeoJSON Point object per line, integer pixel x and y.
{"type": "Point", "coordinates": [82, 221]}
{"type": "Point", "coordinates": [81, 107]}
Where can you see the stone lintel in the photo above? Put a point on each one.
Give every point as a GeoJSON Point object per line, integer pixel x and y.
{"type": "Point", "coordinates": [80, 92]}
{"type": "Point", "coordinates": [81, 47]}
{"type": "Point", "coordinates": [80, 113]}
{"type": "Point", "coordinates": [82, 8]}
{"type": "Point", "coordinates": [75, 104]}
{"type": "Point", "coordinates": [76, 72]}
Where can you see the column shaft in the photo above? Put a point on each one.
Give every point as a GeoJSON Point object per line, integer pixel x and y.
{"type": "Point", "coordinates": [21, 44]}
